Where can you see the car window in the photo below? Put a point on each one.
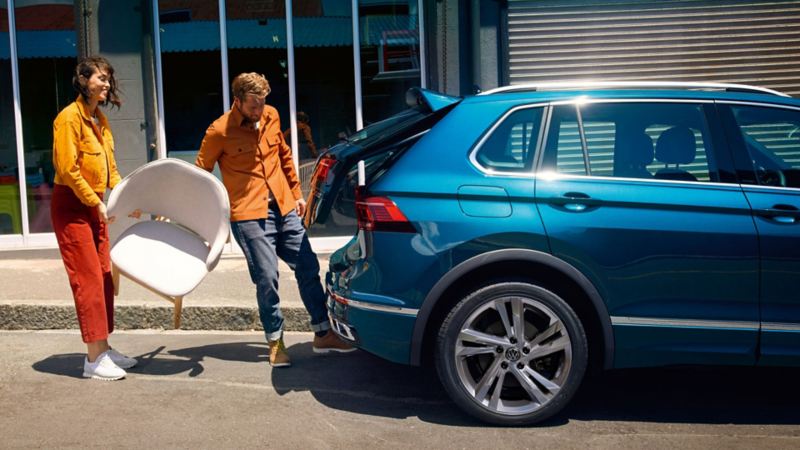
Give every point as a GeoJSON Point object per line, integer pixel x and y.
{"type": "Point", "coordinates": [772, 138]}
{"type": "Point", "coordinates": [512, 144]}
{"type": "Point", "coordinates": [632, 140]}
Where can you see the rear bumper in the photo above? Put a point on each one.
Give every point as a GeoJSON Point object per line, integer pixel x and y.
{"type": "Point", "coordinates": [371, 326]}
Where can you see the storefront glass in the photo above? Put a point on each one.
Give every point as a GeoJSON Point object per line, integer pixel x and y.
{"type": "Point", "coordinates": [324, 80]}
{"type": "Point", "coordinates": [191, 72]}
{"type": "Point", "coordinates": [389, 38]}
{"type": "Point", "coordinates": [46, 53]}
{"type": "Point", "coordinates": [10, 216]}
{"type": "Point", "coordinates": [257, 43]}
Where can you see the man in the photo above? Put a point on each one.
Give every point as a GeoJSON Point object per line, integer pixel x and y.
{"type": "Point", "coordinates": [266, 205]}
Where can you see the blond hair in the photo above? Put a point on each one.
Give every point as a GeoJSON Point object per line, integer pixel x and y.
{"type": "Point", "coordinates": [250, 83]}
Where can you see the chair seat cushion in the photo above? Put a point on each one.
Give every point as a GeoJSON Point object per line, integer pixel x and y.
{"type": "Point", "coordinates": [161, 256]}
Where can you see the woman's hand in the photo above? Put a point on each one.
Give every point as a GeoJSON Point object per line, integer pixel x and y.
{"type": "Point", "coordinates": [103, 213]}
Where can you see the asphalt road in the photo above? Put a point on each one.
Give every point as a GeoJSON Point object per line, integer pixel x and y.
{"type": "Point", "coordinates": [215, 390]}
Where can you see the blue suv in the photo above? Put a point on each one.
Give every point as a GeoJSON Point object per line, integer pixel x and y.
{"type": "Point", "coordinates": [517, 238]}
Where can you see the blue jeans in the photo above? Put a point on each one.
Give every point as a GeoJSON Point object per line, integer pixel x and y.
{"type": "Point", "coordinates": [263, 241]}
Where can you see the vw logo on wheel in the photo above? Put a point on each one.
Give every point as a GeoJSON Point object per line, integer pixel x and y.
{"type": "Point", "coordinates": [512, 354]}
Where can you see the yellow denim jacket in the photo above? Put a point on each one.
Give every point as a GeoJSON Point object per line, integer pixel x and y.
{"type": "Point", "coordinates": [83, 152]}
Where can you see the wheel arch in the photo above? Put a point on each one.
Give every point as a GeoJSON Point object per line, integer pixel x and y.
{"type": "Point", "coordinates": [476, 271]}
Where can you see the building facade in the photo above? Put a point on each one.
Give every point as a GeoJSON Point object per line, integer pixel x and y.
{"type": "Point", "coordinates": [340, 65]}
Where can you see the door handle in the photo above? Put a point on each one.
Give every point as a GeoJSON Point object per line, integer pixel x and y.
{"type": "Point", "coordinates": [574, 201]}
{"type": "Point", "coordinates": [780, 213]}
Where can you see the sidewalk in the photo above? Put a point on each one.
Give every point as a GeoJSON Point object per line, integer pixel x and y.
{"type": "Point", "coordinates": [36, 295]}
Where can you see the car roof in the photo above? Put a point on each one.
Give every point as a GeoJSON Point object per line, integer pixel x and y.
{"type": "Point", "coordinates": [524, 96]}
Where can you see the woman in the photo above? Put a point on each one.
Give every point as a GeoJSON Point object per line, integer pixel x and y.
{"type": "Point", "coordinates": [83, 156]}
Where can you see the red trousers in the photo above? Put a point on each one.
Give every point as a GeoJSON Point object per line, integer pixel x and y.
{"type": "Point", "coordinates": [83, 240]}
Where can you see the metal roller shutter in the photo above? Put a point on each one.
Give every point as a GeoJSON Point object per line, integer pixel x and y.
{"type": "Point", "coordinates": [750, 42]}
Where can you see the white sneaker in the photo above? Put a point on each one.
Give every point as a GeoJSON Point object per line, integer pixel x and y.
{"type": "Point", "coordinates": [103, 368]}
{"type": "Point", "coordinates": [122, 361]}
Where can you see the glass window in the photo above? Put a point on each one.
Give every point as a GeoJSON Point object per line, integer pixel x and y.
{"type": "Point", "coordinates": [10, 215]}
{"type": "Point", "coordinates": [323, 40]}
{"type": "Point", "coordinates": [46, 52]}
{"type": "Point", "coordinates": [257, 43]}
{"type": "Point", "coordinates": [512, 144]}
{"type": "Point", "coordinates": [632, 140]}
{"type": "Point", "coordinates": [191, 72]}
{"type": "Point", "coordinates": [389, 39]}
{"type": "Point", "coordinates": [772, 138]}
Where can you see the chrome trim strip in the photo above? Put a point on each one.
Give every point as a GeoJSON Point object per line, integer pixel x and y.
{"type": "Point", "coordinates": [383, 308]}
{"type": "Point", "coordinates": [691, 323]}
{"type": "Point", "coordinates": [631, 84]}
{"type": "Point", "coordinates": [780, 326]}
{"type": "Point", "coordinates": [565, 176]}
{"type": "Point", "coordinates": [766, 105]}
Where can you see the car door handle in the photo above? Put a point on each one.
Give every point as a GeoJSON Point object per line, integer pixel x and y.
{"type": "Point", "coordinates": [780, 213]}
{"type": "Point", "coordinates": [574, 201]}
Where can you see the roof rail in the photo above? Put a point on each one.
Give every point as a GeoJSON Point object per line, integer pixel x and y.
{"type": "Point", "coordinates": [633, 84]}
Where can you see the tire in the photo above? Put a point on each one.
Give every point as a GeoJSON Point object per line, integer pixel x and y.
{"type": "Point", "coordinates": [537, 371]}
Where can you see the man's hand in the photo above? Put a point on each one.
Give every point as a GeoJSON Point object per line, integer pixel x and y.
{"type": "Point", "coordinates": [136, 214]}
{"type": "Point", "coordinates": [103, 213]}
{"type": "Point", "coordinates": [300, 207]}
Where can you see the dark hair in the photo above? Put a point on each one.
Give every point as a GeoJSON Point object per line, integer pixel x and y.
{"type": "Point", "coordinates": [302, 117]}
{"type": "Point", "coordinates": [86, 68]}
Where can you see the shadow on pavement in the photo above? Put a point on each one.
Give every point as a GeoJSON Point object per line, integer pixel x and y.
{"type": "Point", "coordinates": [365, 384]}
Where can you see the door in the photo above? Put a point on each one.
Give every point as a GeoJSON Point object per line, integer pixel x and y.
{"type": "Point", "coordinates": [636, 195]}
{"type": "Point", "coordinates": [766, 142]}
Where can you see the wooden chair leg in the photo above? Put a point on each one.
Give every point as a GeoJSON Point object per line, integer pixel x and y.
{"type": "Point", "coordinates": [176, 317]}
{"type": "Point", "coordinates": [115, 279]}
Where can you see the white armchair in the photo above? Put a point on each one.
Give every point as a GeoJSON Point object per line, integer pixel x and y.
{"type": "Point", "coordinates": [171, 252]}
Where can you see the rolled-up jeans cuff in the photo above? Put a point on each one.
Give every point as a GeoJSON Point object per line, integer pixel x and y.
{"type": "Point", "coordinates": [322, 326]}
{"type": "Point", "coordinates": [274, 336]}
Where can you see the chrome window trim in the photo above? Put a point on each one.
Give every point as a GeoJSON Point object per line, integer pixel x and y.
{"type": "Point", "coordinates": [411, 312]}
{"type": "Point", "coordinates": [477, 147]}
{"type": "Point", "coordinates": [547, 176]}
{"type": "Point", "coordinates": [780, 326]}
{"type": "Point", "coordinates": [688, 323]}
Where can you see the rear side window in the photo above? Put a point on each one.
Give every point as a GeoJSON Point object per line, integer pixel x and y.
{"type": "Point", "coordinates": [772, 138]}
{"type": "Point", "coordinates": [667, 141]}
{"type": "Point", "coordinates": [512, 143]}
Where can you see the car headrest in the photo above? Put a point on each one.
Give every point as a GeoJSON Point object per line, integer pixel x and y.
{"type": "Point", "coordinates": [676, 146]}
{"type": "Point", "coordinates": [636, 150]}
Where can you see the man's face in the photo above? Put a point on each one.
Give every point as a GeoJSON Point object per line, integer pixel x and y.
{"type": "Point", "coordinates": [251, 108]}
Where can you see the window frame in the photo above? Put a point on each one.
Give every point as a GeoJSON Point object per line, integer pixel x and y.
{"type": "Point", "coordinates": [530, 168]}
{"type": "Point", "coordinates": [745, 170]}
{"type": "Point", "coordinates": [717, 154]}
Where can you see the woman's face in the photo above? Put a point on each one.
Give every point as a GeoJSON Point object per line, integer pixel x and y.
{"type": "Point", "coordinates": [97, 86]}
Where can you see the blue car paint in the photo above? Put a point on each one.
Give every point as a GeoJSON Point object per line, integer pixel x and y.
{"type": "Point", "coordinates": [657, 250]}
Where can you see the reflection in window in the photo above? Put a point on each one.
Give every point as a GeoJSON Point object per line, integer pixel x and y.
{"type": "Point", "coordinates": [10, 215]}
{"type": "Point", "coordinates": [631, 140]}
{"type": "Point", "coordinates": [512, 145]}
{"type": "Point", "coordinates": [324, 81]}
{"type": "Point", "coordinates": [191, 72]}
{"type": "Point", "coordinates": [46, 51]}
{"type": "Point", "coordinates": [389, 39]}
{"type": "Point", "coordinates": [772, 137]}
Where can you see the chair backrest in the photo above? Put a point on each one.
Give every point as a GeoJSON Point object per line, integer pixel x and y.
{"type": "Point", "coordinates": [182, 192]}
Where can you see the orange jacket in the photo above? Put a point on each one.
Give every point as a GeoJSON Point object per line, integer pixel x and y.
{"type": "Point", "coordinates": [83, 153]}
{"type": "Point", "coordinates": [253, 164]}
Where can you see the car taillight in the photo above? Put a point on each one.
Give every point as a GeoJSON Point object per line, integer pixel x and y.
{"type": "Point", "coordinates": [380, 214]}
{"type": "Point", "coordinates": [324, 166]}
